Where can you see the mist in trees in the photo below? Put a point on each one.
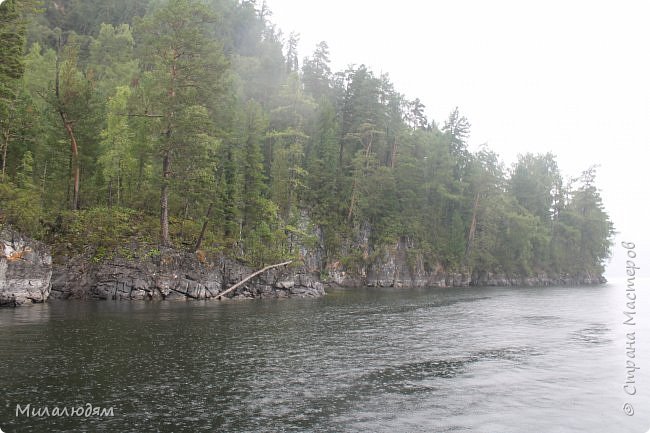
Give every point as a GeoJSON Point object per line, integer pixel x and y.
{"type": "Point", "coordinates": [196, 120]}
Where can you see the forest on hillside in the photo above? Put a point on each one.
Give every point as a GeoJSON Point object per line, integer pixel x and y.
{"type": "Point", "coordinates": [195, 124]}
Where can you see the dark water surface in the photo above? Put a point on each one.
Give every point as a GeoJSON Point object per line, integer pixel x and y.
{"type": "Point", "coordinates": [454, 360]}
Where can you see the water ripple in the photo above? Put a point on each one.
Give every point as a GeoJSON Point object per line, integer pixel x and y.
{"type": "Point", "coordinates": [595, 334]}
{"type": "Point", "coordinates": [506, 360]}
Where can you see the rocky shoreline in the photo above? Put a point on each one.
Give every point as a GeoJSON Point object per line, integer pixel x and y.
{"type": "Point", "coordinates": [397, 267]}
{"type": "Point", "coordinates": [27, 275]}
{"type": "Point", "coordinates": [174, 275]}
{"type": "Point", "coordinates": [401, 278]}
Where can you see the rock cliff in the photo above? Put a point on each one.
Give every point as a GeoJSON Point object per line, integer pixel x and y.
{"type": "Point", "coordinates": [399, 265]}
{"type": "Point", "coordinates": [27, 275]}
{"type": "Point", "coordinates": [176, 275]}
{"type": "Point", "coordinates": [25, 269]}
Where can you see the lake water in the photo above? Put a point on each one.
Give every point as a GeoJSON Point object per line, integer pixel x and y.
{"type": "Point", "coordinates": [436, 360]}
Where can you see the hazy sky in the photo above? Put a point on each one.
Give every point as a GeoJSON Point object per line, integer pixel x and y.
{"type": "Point", "coordinates": [569, 77]}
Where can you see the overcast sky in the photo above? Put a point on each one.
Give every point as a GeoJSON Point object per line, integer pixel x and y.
{"type": "Point", "coordinates": [569, 77]}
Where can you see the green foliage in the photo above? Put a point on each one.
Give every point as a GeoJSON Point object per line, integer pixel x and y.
{"type": "Point", "coordinates": [101, 226]}
{"type": "Point", "coordinates": [534, 181]}
{"type": "Point", "coordinates": [12, 40]}
{"type": "Point", "coordinates": [86, 16]}
{"type": "Point", "coordinates": [317, 73]}
{"type": "Point", "coordinates": [186, 72]}
{"type": "Point", "coordinates": [152, 253]}
{"type": "Point", "coordinates": [103, 232]}
{"type": "Point", "coordinates": [117, 158]}
{"type": "Point", "coordinates": [20, 207]}
{"type": "Point", "coordinates": [583, 230]}
{"type": "Point", "coordinates": [112, 62]}
{"type": "Point", "coordinates": [187, 115]}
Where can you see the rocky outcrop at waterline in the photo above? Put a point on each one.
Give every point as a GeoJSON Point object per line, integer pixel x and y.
{"type": "Point", "coordinates": [25, 269]}
{"type": "Point", "coordinates": [388, 275]}
{"type": "Point", "coordinates": [28, 276]}
{"type": "Point", "coordinates": [488, 279]}
{"type": "Point", "coordinates": [400, 266]}
{"type": "Point", "coordinates": [174, 275]}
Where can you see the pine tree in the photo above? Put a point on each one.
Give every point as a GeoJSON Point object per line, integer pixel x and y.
{"type": "Point", "coordinates": [188, 71]}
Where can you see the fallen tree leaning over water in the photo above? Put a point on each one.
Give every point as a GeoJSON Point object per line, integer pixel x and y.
{"type": "Point", "coordinates": [254, 274]}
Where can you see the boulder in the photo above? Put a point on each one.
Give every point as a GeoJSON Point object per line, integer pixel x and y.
{"type": "Point", "coordinates": [25, 269]}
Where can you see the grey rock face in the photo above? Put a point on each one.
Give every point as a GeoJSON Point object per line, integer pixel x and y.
{"type": "Point", "coordinates": [398, 266]}
{"type": "Point", "coordinates": [25, 270]}
{"type": "Point", "coordinates": [175, 275]}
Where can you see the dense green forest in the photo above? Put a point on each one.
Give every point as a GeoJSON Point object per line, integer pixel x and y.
{"type": "Point", "coordinates": [129, 124]}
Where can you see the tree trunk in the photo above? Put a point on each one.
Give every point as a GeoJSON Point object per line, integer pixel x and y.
{"type": "Point", "coordinates": [77, 175]}
{"type": "Point", "coordinates": [225, 292]}
{"type": "Point", "coordinates": [368, 150]}
{"type": "Point", "coordinates": [118, 187]}
{"type": "Point", "coordinates": [166, 173]}
{"type": "Point", "coordinates": [110, 194]}
{"type": "Point", "coordinates": [353, 199]}
{"type": "Point", "coordinates": [205, 226]}
{"type": "Point", "coordinates": [472, 228]}
{"type": "Point", "coordinates": [68, 125]}
{"type": "Point", "coordinates": [393, 155]}
{"type": "Point", "coordinates": [43, 181]}
{"type": "Point", "coordinates": [74, 151]}
{"type": "Point", "coordinates": [138, 186]}
{"type": "Point", "coordinates": [164, 201]}
{"type": "Point", "coordinates": [4, 154]}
